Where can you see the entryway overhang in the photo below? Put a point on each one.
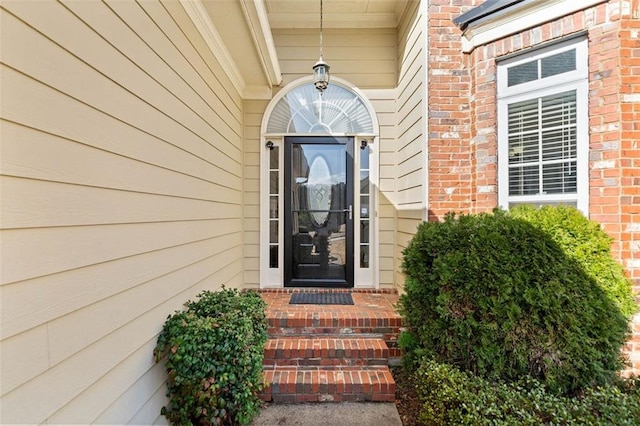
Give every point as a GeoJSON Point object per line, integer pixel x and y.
{"type": "Point", "coordinates": [238, 34]}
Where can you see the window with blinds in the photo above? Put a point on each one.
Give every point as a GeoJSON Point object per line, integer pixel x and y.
{"type": "Point", "coordinates": [543, 127]}
{"type": "Point", "coordinates": [543, 145]}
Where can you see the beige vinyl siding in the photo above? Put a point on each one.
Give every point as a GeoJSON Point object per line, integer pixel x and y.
{"type": "Point", "coordinates": [410, 154]}
{"type": "Point", "coordinates": [253, 113]}
{"type": "Point", "coordinates": [122, 175]}
{"type": "Point", "coordinates": [383, 102]}
{"type": "Point", "coordinates": [364, 57]}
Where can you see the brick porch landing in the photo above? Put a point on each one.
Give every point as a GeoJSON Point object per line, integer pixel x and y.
{"type": "Point", "coordinates": [326, 353]}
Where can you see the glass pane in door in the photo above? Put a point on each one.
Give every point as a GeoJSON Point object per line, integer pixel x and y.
{"type": "Point", "coordinates": [320, 213]}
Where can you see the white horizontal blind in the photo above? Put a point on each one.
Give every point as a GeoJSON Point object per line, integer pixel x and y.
{"type": "Point", "coordinates": [542, 140]}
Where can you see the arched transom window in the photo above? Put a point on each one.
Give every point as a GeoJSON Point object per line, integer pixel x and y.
{"type": "Point", "coordinates": [304, 111]}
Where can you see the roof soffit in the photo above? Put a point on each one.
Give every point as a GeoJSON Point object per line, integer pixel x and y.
{"type": "Point", "coordinates": [238, 34]}
{"type": "Point", "coordinates": [286, 14]}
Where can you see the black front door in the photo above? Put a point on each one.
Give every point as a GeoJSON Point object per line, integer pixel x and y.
{"type": "Point", "coordinates": [318, 241]}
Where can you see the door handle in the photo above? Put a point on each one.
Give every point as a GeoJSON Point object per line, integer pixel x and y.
{"type": "Point", "coordinates": [350, 211]}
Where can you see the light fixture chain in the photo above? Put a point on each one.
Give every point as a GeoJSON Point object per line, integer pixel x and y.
{"type": "Point", "coordinates": [321, 18]}
{"type": "Point", "coordinates": [321, 68]}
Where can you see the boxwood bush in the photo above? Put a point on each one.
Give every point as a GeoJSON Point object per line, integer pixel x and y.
{"type": "Point", "coordinates": [214, 352]}
{"type": "Point", "coordinates": [496, 296]}
{"type": "Point", "coordinates": [449, 396]}
{"type": "Point", "coordinates": [584, 241]}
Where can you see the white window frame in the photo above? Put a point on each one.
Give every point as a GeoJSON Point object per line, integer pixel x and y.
{"type": "Point", "coordinates": [271, 277]}
{"type": "Point", "coordinates": [577, 80]}
{"type": "Point", "coordinates": [366, 277]}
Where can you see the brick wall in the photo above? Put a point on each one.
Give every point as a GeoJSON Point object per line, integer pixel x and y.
{"type": "Point", "coordinates": [630, 155]}
{"type": "Point", "coordinates": [484, 146]}
{"type": "Point", "coordinates": [462, 121]}
{"type": "Point", "coordinates": [630, 137]}
{"type": "Point", "coordinates": [449, 85]}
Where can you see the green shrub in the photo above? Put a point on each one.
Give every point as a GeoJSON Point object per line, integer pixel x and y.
{"type": "Point", "coordinates": [248, 304]}
{"type": "Point", "coordinates": [496, 296]}
{"type": "Point", "coordinates": [449, 396]}
{"type": "Point", "coordinates": [584, 241]}
{"type": "Point", "coordinates": [214, 352]}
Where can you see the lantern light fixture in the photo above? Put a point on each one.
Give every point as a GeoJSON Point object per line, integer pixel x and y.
{"type": "Point", "coordinates": [321, 68]}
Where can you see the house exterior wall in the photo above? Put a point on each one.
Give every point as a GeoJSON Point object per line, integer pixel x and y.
{"type": "Point", "coordinates": [468, 116]}
{"type": "Point", "coordinates": [411, 156]}
{"type": "Point", "coordinates": [253, 113]}
{"type": "Point", "coordinates": [450, 124]}
{"type": "Point", "coordinates": [122, 178]}
{"type": "Point", "coordinates": [629, 157]}
{"type": "Point", "coordinates": [384, 103]}
{"type": "Point", "coordinates": [130, 173]}
{"type": "Point", "coordinates": [367, 59]}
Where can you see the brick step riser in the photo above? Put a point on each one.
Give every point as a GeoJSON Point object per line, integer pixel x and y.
{"type": "Point", "coordinates": [297, 386]}
{"type": "Point", "coordinates": [335, 363]}
{"type": "Point", "coordinates": [339, 397]}
{"type": "Point", "coordinates": [394, 359]}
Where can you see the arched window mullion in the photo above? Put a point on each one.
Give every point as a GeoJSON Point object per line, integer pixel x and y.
{"type": "Point", "coordinates": [349, 110]}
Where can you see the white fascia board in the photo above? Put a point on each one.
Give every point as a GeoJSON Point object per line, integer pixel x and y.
{"type": "Point", "coordinates": [200, 18]}
{"type": "Point", "coordinates": [255, 13]}
{"type": "Point", "coordinates": [527, 16]}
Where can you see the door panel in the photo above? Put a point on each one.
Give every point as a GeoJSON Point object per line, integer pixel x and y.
{"type": "Point", "coordinates": [319, 212]}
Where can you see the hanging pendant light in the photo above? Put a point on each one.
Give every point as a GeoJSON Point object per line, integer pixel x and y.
{"type": "Point", "coordinates": [321, 68]}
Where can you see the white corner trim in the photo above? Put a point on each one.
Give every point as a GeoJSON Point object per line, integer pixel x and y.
{"type": "Point", "coordinates": [200, 18]}
{"type": "Point", "coordinates": [255, 13]}
{"type": "Point", "coordinates": [467, 45]}
{"type": "Point", "coordinates": [529, 15]}
{"type": "Point", "coordinates": [424, 14]}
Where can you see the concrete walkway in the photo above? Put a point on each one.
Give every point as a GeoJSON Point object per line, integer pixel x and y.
{"type": "Point", "coordinates": [330, 414]}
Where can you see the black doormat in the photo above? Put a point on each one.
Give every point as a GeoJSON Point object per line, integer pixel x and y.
{"type": "Point", "coordinates": [321, 299]}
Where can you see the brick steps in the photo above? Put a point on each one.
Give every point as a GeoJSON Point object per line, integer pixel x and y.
{"type": "Point", "coordinates": [326, 351]}
{"type": "Point", "coordinates": [386, 325]}
{"type": "Point", "coordinates": [288, 385]}
{"type": "Point", "coordinates": [331, 353]}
